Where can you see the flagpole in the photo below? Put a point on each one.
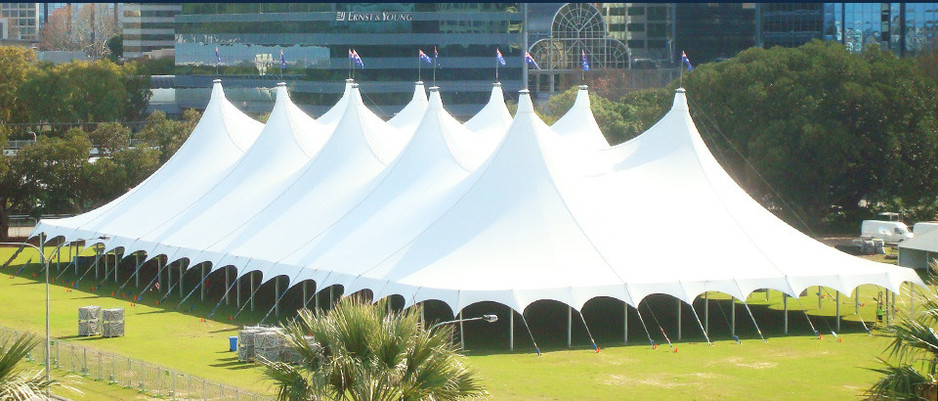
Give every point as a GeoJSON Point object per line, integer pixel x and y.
{"type": "Point", "coordinates": [496, 69]}
{"type": "Point", "coordinates": [418, 67]}
{"type": "Point", "coordinates": [350, 64]}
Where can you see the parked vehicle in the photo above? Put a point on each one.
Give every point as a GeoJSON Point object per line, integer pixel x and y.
{"type": "Point", "coordinates": [889, 231]}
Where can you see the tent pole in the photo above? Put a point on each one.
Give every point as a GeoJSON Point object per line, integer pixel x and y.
{"type": "Point", "coordinates": [97, 266]}
{"type": "Point", "coordinates": [893, 308]}
{"type": "Point", "coordinates": [819, 297]}
{"type": "Point", "coordinates": [696, 316]}
{"type": "Point", "coordinates": [305, 295]}
{"type": "Point", "coordinates": [136, 270]}
{"type": "Point", "coordinates": [511, 329]}
{"type": "Point", "coordinates": [202, 290]}
{"type": "Point", "coordinates": [169, 278]}
{"type": "Point", "coordinates": [785, 306]}
{"type": "Point", "coordinates": [625, 323]}
{"type": "Point", "coordinates": [227, 285]}
{"type": "Point", "coordinates": [238, 293]}
{"type": "Point", "coordinates": [707, 313]}
{"type": "Point", "coordinates": [462, 336]}
{"type": "Point", "coordinates": [276, 298]}
{"type": "Point", "coordinates": [678, 319]}
{"type": "Point", "coordinates": [569, 326]}
{"type": "Point", "coordinates": [316, 298]}
{"type": "Point", "coordinates": [856, 300]}
{"type": "Point", "coordinates": [227, 290]}
{"type": "Point", "coordinates": [330, 300]}
{"type": "Point", "coordinates": [837, 298]}
{"type": "Point", "coordinates": [58, 260]}
{"type": "Point", "coordinates": [886, 306]}
{"type": "Point", "coordinates": [252, 292]}
{"type": "Point", "coordinates": [159, 273]}
{"type": "Point", "coordinates": [733, 317]}
{"type": "Point", "coordinates": [182, 272]}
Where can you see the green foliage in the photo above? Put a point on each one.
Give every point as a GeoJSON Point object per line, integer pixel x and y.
{"type": "Point", "coordinates": [16, 66]}
{"type": "Point", "coordinates": [620, 120]}
{"type": "Point", "coordinates": [110, 138]}
{"type": "Point", "coordinates": [44, 176]}
{"type": "Point", "coordinates": [821, 125]}
{"type": "Point", "coordinates": [14, 384]}
{"type": "Point", "coordinates": [168, 135]}
{"type": "Point", "coordinates": [360, 351]}
{"type": "Point", "coordinates": [115, 47]}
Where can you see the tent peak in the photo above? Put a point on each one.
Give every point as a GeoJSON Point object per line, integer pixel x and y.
{"type": "Point", "coordinates": [281, 84]}
{"type": "Point", "coordinates": [418, 83]}
{"type": "Point", "coordinates": [680, 100]}
{"type": "Point", "coordinates": [216, 81]}
{"type": "Point", "coordinates": [497, 84]}
{"type": "Point", "coordinates": [436, 102]}
{"type": "Point", "coordinates": [524, 102]}
{"type": "Point", "coordinates": [349, 80]}
{"type": "Point", "coordinates": [584, 87]}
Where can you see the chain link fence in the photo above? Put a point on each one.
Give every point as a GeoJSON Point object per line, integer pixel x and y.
{"type": "Point", "coordinates": [122, 371]}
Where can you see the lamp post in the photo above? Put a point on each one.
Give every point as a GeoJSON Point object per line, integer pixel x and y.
{"type": "Point", "coordinates": [487, 318]}
{"type": "Point", "coordinates": [45, 263]}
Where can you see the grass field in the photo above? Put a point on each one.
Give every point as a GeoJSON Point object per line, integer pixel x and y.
{"type": "Point", "coordinates": [799, 366]}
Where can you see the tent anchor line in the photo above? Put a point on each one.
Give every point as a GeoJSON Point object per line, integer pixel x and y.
{"type": "Point", "coordinates": [816, 333]}
{"type": "Point", "coordinates": [661, 328]}
{"type": "Point", "coordinates": [69, 265]}
{"type": "Point", "coordinates": [15, 254]}
{"type": "Point", "coordinates": [194, 289]}
{"type": "Point", "coordinates": [650, 341]}
{"type": "Point", "coordinates": [20, 270]}
{"type": "Point", "coordinates": [525, 322]}
{"type": "Point", "coordinates": [93, 265]}
{"type": "Point", "coordinates": [223, 298]}
{"type": "Point", "coordinates": [727, 320]}
{"type": "Point", "coordinates": [595, 347]}
{"type": "Point", "coordinates": [247, 302]}
{"type": "Point", "coordinates": [702, 330]}
{"type": "Point", "coordinates": [159, 271]}
{"type": "Point", "coordinates": [758, 330]}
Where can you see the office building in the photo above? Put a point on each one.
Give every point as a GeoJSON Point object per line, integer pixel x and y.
{"type": "Point", "coordinates": [315, 40]}
{"type": "Point", "coordinates": [149, 29]}
{"type": "Point", "coordinates": [22, 20]}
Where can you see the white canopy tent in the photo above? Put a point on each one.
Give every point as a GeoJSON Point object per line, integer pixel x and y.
{"type": "Point", "coordinates": [429, 209]}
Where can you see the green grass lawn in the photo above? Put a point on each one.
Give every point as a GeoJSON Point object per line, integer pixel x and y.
{"type": "Point", "coordinates": [799, 366]}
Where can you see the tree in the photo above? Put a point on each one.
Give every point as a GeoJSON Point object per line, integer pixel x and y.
{"type": "Point", "coordinates": [912, 368]}
{"type": "Point", "coordinates": [109, 138]}
{"type": "Point", "coordinates": [89, 32]}
{"type": "Point", "coordinates": [16, 66]}
{"type": "Point", "coordinates": [822, 126]}
{"type": "Point", "coordinates": [168, 135]}
{"type": "Point", "coordinates": [14, 384]}
{"type": "Point", "coordinates": [115, 46]}
{"type": "Point", "coordinates": [360, 351]}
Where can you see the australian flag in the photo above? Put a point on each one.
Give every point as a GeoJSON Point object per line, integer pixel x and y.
{"type": "Point", "coordinates": [423, 56]}
{"type": "Point", "coordinates": [217, 57]}
{"type": "Point", "coordinates": [586, 66]}
{"type": "Point", "coordinates": [283, 61]}
{"type": "Point", "coordinates": [686, 61]}
{"type": "Point", "coordinates": [530, 60]}
{"type": "Point", "coordinates": [352, 54]}
{"type": "Point", "coordinates": [498, 55]}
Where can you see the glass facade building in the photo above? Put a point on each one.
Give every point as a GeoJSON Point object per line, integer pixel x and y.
{"type": "Point", "coordinates": [904, 28]}
{"type": "Point", "coordinates": [148, 27]}
{"type": "Point", "coordinates": [713, 31]}
{"type": "Point", "coordinates": [315, 40]}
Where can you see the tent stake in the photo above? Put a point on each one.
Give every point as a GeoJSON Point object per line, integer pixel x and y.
{"type": "Point", "coordinates": [702, 330]}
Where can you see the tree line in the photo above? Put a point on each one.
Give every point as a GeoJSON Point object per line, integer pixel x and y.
{"type": "Point", "coordinates": [54, 174]}
{"type": "Point", "coordinates": [822, 137]}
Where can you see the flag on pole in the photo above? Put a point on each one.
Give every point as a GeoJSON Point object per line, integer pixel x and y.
{"type": "Point", "coordinates": [217, 57]}
{"type": "Point", "coordinates": [356, 58]}
{"type": "Point", "coordinates": [586, 66]}
{"type": "Point", "coordinates": [498, 55]}
{"type": "Point", "coordinates": [423, 56]}
{"type": "Point", "coordinates": [686, 61]}
{"type": "Point", "coordinates": [283, 61]}
{"type": "Point", "coordinates": [530, 60]}
{"type": "Point", "coordinates": [436, 54]}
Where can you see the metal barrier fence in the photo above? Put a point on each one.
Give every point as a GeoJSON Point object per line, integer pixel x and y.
{"type": "Point", "coordinates": [129, 373]}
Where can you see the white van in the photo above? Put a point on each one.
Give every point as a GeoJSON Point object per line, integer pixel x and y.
{"type": "Point", "coordinates": [889, 231]}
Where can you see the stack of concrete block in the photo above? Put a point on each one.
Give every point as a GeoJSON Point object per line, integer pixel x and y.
{"type": "Point", "coordinates": [113, 322]}
{"type": "Point", "coordinates": [269, 344]}
{"type": "Point", "coordinates": [89, 321]}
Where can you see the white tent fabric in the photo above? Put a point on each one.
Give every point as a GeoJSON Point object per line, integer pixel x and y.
{"type": "Point", "coordinates": [427, 208]}
{"type": "Point", "coordinates": [223, 129]}
{"type": "Point", "coordinates": [919, 251]}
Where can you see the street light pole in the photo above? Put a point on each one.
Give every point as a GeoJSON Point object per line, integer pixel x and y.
{"type": "Point", "coordinates": [45, 263]}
